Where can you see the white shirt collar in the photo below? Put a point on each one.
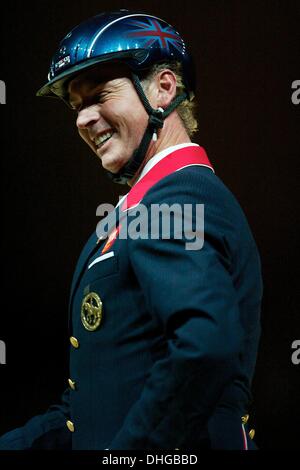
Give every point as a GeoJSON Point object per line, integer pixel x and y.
{"type": "Point", "coordinates": [159, 156]}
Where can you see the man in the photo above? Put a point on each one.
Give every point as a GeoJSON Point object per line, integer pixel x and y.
{"type": "Point", "coordinates": [164, 332]}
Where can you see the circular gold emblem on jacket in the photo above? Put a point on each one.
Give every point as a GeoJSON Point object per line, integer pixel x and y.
{"type": "Point", "coordinates": [91, 311]}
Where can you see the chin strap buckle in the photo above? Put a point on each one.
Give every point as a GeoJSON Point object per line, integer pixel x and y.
{"type": "Point", "coordinates": [156, 121]}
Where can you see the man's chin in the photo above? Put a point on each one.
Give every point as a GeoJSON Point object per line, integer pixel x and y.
{"type": "Point", "coordinates": [112, 166]}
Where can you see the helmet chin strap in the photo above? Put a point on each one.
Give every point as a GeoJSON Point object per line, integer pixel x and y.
{"type": "Point", "coordinates": [155, 122]}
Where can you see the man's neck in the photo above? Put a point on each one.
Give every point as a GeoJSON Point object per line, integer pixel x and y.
{"type": "Point", "coordinates": [173, 134]}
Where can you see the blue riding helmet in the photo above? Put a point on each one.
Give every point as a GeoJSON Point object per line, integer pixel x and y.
{"type": "Point", "coordinates": [137, 39]}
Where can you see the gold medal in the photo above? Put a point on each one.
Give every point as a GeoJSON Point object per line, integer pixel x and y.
{"type": "Point", "coordinates": [91, 311]}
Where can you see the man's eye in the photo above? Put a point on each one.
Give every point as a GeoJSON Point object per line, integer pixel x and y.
{"type": "Point", "coordinates": [97, 98]}
{"type": "Point", "coordinates": [101, 96]}
{"type": "Point", "coordinates": [74, 107]}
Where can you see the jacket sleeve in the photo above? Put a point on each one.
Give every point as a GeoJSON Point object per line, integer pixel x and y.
{"type": "Point", "coordinates": [46, 431]}
{"type": "Point", "coordinates": [192, 296]}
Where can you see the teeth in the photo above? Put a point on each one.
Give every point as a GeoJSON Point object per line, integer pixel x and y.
{"type": "Point", "coordinates": [102, 138]}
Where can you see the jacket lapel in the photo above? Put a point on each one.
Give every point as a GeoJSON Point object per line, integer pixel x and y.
{"type": "Point", "coordinates": [93, 245]}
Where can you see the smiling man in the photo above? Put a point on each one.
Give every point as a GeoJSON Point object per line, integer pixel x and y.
{"type": "Point", "coordinates": [163, 340]}
{"type": "Point", "coordinates": [111, 117]}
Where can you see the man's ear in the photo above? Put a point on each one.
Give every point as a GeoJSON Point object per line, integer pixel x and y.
{"type": "Point", "coordinates": [166, 84]}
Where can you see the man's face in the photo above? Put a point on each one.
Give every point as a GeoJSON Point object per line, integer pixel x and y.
{"type": "Point", "coordinates": [110, 116]}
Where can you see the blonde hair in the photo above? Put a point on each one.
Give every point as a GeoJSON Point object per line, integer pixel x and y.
{"type": "Point", "coordinates": [186, 109]}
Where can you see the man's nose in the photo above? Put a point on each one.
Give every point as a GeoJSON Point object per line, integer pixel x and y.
{"type": "Point", "coordinates": [87, 117]}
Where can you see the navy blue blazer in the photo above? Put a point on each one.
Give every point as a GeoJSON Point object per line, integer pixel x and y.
{"type": "Point", "coordinates": [171, 362]}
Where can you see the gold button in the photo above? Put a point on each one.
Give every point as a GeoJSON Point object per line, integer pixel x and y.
{"type": "Point", "coordinates": [245, 419]}
{"type": "Point", "coordinates": [74, 341]}
{"type": "Point", "coordinates": [72, 384]}
{"type": "Point", "coordinates": [70, 426]}
{"type": "Point", "coordinates": [252, 433]}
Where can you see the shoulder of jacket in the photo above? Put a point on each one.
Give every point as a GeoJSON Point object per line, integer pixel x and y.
{"type": "Point", "coordinates": [188, 183]}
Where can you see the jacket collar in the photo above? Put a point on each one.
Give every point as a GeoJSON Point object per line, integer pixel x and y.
{"type": "Point", "coordinates": [161, 165]}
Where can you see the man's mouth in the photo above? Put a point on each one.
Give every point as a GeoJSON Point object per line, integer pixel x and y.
{"type": "Point", "coordinates": [101, 139]}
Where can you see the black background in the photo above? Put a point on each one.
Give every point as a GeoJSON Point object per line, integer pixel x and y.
{"type": "Point", "coordinates": [247, 56]}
